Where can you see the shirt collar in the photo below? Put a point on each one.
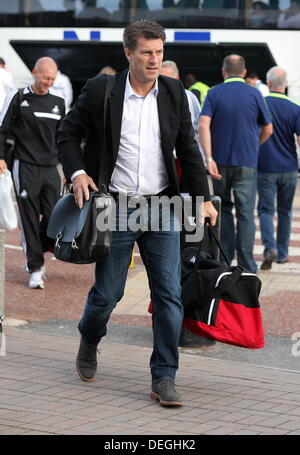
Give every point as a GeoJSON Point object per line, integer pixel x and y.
{"type": "Point", "coordinates": [30, 89]}
{"type": "Point", "coordinates": [276, 94]}
{"type": "Point", "coordinates": [275, 91]}
{"type": "Point", "coordinates": [234, 79]}
{"type": "Point", "coordinates": [130, 92]}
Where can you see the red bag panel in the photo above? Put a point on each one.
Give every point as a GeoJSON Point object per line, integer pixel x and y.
{"type": "Point", "coordinates": [235, 324]}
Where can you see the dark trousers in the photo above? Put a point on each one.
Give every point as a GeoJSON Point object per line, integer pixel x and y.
{"type": "Point", "coordinates": [237, 188]}
{"type": "Point", "coordinates": [160, 251]}
{"type": "Point", "coordinates": [37, 190]}
{"type": "Point", "coordinates": [279, 187]}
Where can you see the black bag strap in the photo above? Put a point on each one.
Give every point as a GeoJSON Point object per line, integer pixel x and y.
{"type": "Point", "coordinates": [229, 282]}
{"type": "Point", "coordinates": [103, 158]}
{"type": "Point", "coordinates": [16, 110]}
{"type": "Point", "coordinates": [9, 137]}
{"type": "Point", "coordinates": [215, 238]}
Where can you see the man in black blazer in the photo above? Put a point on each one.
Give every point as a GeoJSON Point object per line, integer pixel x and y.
{"type": "Point", "coordinates": [148, 116]}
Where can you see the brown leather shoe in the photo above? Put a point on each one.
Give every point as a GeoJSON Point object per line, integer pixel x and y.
{"type": "Point", "coordinates": [164, 391]}
{"type": "Point", "coordinates": [86, 361]}
{"type": "Point", "coordinates": [267, 262]}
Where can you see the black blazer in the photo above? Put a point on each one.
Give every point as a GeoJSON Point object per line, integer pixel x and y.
{"type": "Point", "coordinates": [85, 122]}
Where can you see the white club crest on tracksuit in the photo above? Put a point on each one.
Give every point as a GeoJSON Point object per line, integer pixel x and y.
{"type": "Point", "coordinates": [55, 110]}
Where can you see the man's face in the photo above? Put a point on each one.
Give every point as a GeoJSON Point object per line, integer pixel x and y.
{"type": "Point", "coordinates": [145, 61]}
{"type": "Point", "coordinates": [44, 79]}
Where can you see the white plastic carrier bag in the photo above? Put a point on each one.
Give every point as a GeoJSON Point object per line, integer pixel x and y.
{"type": "Point", "coordinates": [8, 214]}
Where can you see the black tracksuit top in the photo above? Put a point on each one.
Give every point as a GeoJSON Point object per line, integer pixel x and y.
{"type": "Point", "coordinates": [33, 121]}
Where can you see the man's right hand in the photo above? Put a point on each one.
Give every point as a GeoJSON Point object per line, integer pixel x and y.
{"type": "Point", "coordinates": [3, 166]}
{"type": "Point", "coordinates": [81, 185]}
{"type": "Point", "coordinates": [213, 170]}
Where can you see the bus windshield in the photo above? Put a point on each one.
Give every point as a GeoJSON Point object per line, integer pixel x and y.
{"type": "Point", "coordinates": [217, 14]}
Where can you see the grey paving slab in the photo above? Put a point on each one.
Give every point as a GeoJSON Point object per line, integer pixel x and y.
{"type": "Point", "coordinates": [51, 398]}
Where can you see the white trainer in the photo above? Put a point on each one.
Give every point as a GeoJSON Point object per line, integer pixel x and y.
{"type": "Point", "coordinates": [36, 280]}
{"type": "Point", "coordinates": [42, 269]}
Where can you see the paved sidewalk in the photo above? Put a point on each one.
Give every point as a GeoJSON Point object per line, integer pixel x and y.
{"type": "Point", "coordinates": [42, 394]}
{"type": "Point", "coordinates": [65, 293]}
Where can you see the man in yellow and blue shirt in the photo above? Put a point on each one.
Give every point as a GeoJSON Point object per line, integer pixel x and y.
{"type": "Point", "coordinates": [278, 170]}
{"type": "Point", "coordinates": [234, 122]}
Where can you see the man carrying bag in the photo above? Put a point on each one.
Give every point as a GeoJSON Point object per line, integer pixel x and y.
{"type": "Point", "coordinates": [148, 117]}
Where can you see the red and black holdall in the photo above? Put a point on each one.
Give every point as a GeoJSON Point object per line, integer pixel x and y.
{"type": "Point", "coordinates": [221, 302]}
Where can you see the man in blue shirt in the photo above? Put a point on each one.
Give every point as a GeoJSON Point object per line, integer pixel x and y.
{"type": "Point", "coordinates": [277, 170]}
{"type": "Point", "coordinates": [234, 121]}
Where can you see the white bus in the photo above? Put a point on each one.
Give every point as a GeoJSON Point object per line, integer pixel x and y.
{"type": "Point", "coordinates": [85, 35]}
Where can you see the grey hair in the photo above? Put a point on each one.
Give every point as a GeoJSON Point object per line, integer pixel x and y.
{"type": "Point", "coordinates": [277, 76]}
{"type": "Point", "coordinates": [172, 65]}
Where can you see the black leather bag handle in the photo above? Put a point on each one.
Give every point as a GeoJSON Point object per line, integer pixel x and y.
{"type": "Point", "coordinates": [212, 235]}
{"type": "Point", "coordinates": [103, 159]}
{"type": "Point", "coordinates": [215, 238]}
{"type": "Point", "coordinates": [230, 281]}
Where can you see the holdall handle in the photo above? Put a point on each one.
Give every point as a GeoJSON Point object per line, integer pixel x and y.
{"type": "Point", "coordinates": [213, 235]}
{"type": "Point", "coordinates": [224, 285]}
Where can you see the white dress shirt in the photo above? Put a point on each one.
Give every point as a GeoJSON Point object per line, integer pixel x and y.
{"type": "Point", "coordinates": [140, 168]}
{"type": "Point", "coordinates": [6, 85]}
{"type": "Point", "coordinates": [195, 111]}
{"type": "Point", "coordinates": [63, 87]}
{"type": "Point", "coordinates": [263, 88]}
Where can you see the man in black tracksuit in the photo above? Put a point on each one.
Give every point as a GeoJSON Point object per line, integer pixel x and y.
{"type": "Point", "coordinates": [32, 115]}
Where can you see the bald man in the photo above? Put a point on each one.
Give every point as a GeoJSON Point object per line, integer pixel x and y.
{"type": "Point", "coordinates": [234, 122]}
{"type": "Point", "coordinates": [170, 69]}
{"type": "Point", "coordinates": [32, 115]}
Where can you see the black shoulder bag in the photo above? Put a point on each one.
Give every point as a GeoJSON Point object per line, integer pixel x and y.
{"type": "Point", "coordinates": [79, 237]}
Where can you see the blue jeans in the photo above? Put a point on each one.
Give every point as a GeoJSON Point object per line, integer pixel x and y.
{"type": "Point", "coordinates": [280, 186]}
{"type": "Point", "coordinates": [239, 182]}
{"type": "Point", "coordinates": [160, 251]}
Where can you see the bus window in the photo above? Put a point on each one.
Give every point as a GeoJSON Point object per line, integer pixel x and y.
{"type": "Point", "coordinates": [217, 14]}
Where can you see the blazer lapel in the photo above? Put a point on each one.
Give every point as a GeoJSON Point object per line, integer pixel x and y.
{"type": "Point", "coordinates": [163, 104]}
{"type": "Point", "coordinates": [115, 103]}
{"type": "Point", "coordinates": [167, 124]}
